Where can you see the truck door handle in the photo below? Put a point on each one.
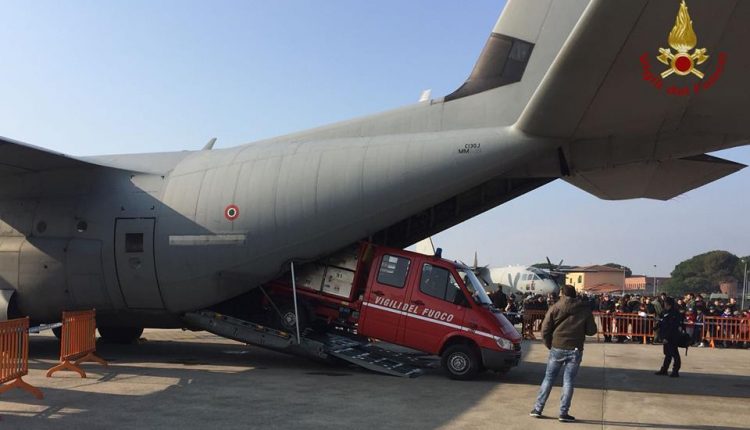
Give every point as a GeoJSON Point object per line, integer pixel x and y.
{"type": "Point", "coordinates": [418, 302]}
{"type": "Point", "coordinates": [378, 293]}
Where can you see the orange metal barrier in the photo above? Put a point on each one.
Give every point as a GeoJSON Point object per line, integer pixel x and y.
{"type": "Point", "coordinates": [78, 342]}
{"type": "Point", "coordinates": [532, 321]}
{"type": "Point", "coordinates": [621, 324]}
{"type": "Point", "coordinates": [726, 330]}
{"type": "Point", "coordinates": [14, 356]}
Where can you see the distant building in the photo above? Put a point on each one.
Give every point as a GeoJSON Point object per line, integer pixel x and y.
{"type": "Point", "coordinates": [642, 284]}
{"type": "Point", "coordinates": [729, 287]}
{"type": "Point", "coordinates": [605, 289]}
{"type": "Point", "coordinates": [596, 278]}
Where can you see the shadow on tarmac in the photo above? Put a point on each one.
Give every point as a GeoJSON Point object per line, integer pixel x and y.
{"type": "Point", "coordinates": [636, 380]}
{"type": "Point", "coordinates": [227, 385]}
{"type": "Point", "coordinates": [528, 373]}
{"type": "Point", "coordinates": [202, 383]}
{"type": "Point", "coordinates": [656, 426]}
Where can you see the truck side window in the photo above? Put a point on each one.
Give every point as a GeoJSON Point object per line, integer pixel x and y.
{"type": "Point", "coordinates": [393, 271]}
{"type": "Point", "coordinates": [438, 282]}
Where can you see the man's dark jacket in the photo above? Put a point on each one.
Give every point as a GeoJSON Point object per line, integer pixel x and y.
{"type": "Point", "coordinates": [567, 323]}
{"type": "Point", "coordinates": [669, 325]}
{"type": "Point", "coordinates": [607, 305]}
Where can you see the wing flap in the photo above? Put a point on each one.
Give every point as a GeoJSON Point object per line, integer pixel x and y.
{"type": "Point", "coordinates": [654, 180]}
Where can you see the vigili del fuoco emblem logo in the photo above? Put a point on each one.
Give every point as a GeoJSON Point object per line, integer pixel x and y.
{"type": "Point", "coordinates": [685, 58]}
{"type": "Point", "coordinates": [682, 39]}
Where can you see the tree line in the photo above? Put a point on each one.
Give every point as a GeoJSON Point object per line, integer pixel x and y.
{"type": "Point", "coordinates": [703, 273]}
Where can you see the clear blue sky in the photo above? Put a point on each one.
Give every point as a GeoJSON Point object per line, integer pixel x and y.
{"type": "Point", "coordinates": [90, 77]}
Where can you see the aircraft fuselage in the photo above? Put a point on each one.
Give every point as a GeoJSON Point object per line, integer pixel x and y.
{"type": "Point", "coordinates": [145, 248]}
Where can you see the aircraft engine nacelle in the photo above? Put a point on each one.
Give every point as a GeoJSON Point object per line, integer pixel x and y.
{"type": "Point", "coordinates": [46, 276]}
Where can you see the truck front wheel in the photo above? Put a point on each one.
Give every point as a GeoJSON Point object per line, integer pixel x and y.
{"type": "Point", "coordinates": [460, 362]}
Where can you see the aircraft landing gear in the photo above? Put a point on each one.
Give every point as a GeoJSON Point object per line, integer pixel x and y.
{"type": "Point", "coordinates": [121, 335]}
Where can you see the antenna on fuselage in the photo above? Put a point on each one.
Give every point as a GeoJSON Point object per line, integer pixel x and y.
{"type": "Point", "coordinates": [210, 145]}
{"type": "Point", "coordinates": [426, 96]}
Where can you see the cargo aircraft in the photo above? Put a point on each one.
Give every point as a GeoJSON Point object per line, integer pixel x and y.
{"type": "Point", "coordinates": [519, 279]}
{"type": "Point", "coordinates": [618, 98]}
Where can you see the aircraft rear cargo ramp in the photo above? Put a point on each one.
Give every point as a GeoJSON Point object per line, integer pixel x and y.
{"type": "Point", "coordinates": [359, 352]}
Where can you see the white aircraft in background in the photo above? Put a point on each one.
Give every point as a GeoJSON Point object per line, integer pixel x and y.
{"type": "Point", "coordinates": [512, 279]}
{"type": "Point", "coordinates": [518, 279]}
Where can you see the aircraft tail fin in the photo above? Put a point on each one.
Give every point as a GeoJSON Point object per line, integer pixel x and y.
{"type": "Point", "coordinates": [520, 50]}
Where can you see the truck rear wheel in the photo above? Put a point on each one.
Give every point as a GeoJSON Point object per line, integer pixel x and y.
{"type": "Point", "coordinates": [287, 320]}
{"type": "Point", "coordinates": [460, 362]}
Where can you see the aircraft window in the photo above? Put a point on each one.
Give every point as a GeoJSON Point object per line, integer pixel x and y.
{"type": "Point", "coordinates": [393, 271]}
{"type": "Point", "coordinates": [521, 51]}
{"type": "Point", "coordinates": [133, 242]}
{"type": "Point", "coordinates": [517, 60]}
{"type": "Point", "coordinates": [536, 278]}
{"type": "Point", "coordinates": [438, 282]}
{"type": "Point", "coordinates": [503, 62]}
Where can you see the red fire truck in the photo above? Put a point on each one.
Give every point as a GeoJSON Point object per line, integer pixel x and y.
{"type": "Point", "coordinates": [422, 302]}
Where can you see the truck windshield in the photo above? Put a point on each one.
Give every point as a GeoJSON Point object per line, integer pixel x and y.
{"type": "Point", "coordinates": [475, 287]}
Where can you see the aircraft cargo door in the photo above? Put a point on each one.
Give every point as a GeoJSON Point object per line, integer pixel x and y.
{"type": "Point", "coordinates": [134, 257]}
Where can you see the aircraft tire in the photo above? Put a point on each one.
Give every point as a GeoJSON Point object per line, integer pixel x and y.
{"type": "Point", "coordinates": [120, 335]}
{"type": "Point", "coordinates": [460, 362]}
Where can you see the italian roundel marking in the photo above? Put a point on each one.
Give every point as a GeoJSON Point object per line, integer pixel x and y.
{"type": "Point", "coordinates": [232, 212]}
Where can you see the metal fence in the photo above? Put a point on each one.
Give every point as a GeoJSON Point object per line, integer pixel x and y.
{"type": "Point", "coordinates": [643, 328]}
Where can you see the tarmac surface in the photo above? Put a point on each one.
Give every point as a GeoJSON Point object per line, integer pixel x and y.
{"type": "Point", "coordinates": [191, 380]}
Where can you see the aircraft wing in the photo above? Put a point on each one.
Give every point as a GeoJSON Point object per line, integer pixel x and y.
{"type": "Point", "coordinates": [598, 85]}
{"type": "Point", "coordinates": [18, 158]}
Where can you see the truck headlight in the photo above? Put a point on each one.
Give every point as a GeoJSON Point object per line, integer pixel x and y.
{"type": "Point", "coordinates": [504, 343]}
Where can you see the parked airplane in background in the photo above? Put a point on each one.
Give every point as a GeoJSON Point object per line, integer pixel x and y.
{"type": "Point", "coordinates": [518, 280]}
{"type": "Point", "coordinates": [568, 89]}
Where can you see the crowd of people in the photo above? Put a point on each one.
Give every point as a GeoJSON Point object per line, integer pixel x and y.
{"type": "Point", "coordinates": [693, 308]}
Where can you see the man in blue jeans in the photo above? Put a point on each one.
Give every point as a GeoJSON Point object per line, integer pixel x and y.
{"type": "Point", "coordinates": [564, 330]}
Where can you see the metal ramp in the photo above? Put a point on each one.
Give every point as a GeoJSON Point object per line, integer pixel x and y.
{"type": "Point", "coordinates": [368, 356]}
{"type": "Point", "coordinates": [356, 351]}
